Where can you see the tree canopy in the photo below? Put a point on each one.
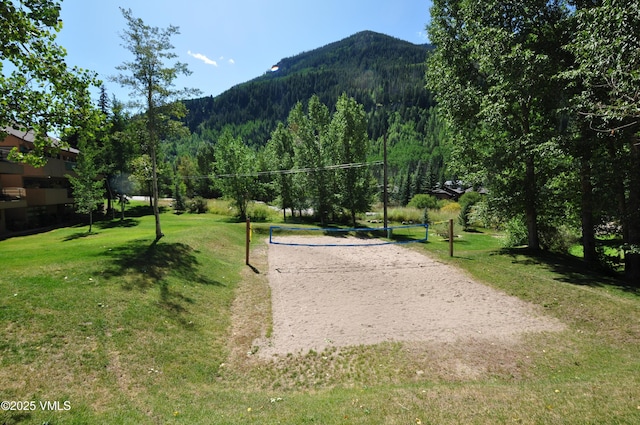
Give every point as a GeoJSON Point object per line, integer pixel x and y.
{"type": "Point", "coordinates": [38, 90]}
{"type": "Point", "coordinates": [152, 88]}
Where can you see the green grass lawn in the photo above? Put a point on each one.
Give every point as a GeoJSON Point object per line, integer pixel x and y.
{"type": "Point", "coordinates": [127, 331]}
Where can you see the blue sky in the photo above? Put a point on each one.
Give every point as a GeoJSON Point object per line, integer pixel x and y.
{"type": "Point", "coordinates": [227, 42]}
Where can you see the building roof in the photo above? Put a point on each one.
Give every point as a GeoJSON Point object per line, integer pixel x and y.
{"type": "Point", "coordinates": [29, 136]}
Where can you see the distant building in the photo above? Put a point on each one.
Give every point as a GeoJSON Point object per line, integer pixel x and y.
{"type": "Point", "coordinates": [33, 197]}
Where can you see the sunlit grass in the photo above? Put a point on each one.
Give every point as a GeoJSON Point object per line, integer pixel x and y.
{"type": "Point", "coordinates": [132, 332]}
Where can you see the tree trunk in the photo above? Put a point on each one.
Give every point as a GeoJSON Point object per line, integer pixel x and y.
{"type": "Point", "coordinates": [632, 255]}
{"type": "Point", "coordinates": [588, 234]}
{"type": "Point", "coordinates": [154, 182]}
{"type": "Point", "coordinates": [531, 211]}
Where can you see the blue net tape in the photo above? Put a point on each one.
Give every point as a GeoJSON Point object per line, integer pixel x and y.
{"type": "Point", "coordinates": [359, 229]}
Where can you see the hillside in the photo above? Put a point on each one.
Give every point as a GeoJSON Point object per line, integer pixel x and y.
{"type": "Point", "coordinates": [384, 74]}
{"type": "Point", "coordinates": [377, 70]}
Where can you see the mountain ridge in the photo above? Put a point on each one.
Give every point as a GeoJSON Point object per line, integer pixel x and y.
{"type": "Point", "coordinates": [379, 71]}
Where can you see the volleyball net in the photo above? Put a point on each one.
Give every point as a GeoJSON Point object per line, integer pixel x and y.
{"type": "Point", "coordinates": [356, 236]}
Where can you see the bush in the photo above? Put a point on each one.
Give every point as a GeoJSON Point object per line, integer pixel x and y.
{"type": "Point", "coordinates": [516, 233]}
{"type": "Point", "coordinates": [422, 201]}
{"type": "Point", "coordinates": [559, 238]}
{"type": "Point", "coordinates": [469, 199]}
{"type": "Point", "coordinates": [259, 212]}
{"type": "Point", "coordinates": [483, 216]}
{"type": "Point", "coordinates": [463, 217]}
{"type": "Point", "coordinates": [197, 205]}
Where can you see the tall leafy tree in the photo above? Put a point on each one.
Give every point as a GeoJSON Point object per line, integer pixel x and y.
{"type": "Point", "coordinates": [348, 133]}
{"type": "Point", "coordinates": [236, 171]}
{"type": "Point", "coordinates": [152, 88]}
{"type": "Point", "coordinates": [606, 48]}
{"type": "Point", "coordinates": [492, 73]}
{"type": "Point", "coordinates": [314, 151]}
{"type": "Point", "coordinates": [38, 91]}
{"type": "Point", "coordinates": [280, 155]}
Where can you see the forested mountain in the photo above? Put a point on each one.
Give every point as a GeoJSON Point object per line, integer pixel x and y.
{"type": "Point", "coordinates": [379, 71]}
{"type": "Point", "coordinates": [382, 73]}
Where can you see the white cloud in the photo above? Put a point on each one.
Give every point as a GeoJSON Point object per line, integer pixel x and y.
{"type": "Point", "coordinates": [232, 62]}
{"type": "Point", "coordinates": [203, 58]}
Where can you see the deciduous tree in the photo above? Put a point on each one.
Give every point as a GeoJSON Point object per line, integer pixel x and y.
{"type": "Point", "coordinates": [236, 168]}
{"type": "Point", "coordinates": [606, 47]}
{"type": "Point", "coordinates": [38, 91]}
{"type": "Point", "coordinates": [492, 73]}
{"type": "Point", "coordinates": [348, 135]}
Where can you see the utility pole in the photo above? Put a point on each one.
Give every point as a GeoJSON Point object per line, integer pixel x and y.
{"type": "Point", "coordinates": [385, 183]}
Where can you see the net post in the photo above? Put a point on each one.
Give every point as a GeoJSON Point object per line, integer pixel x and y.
{"type": "Point", "coordinates": [248, 241]}
{"type": "Point", "coordinates": [451, 237]}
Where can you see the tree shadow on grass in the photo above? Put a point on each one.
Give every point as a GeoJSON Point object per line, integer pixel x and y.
{"type": "Point", "coordinates": [78, 235]}
{"type": "Point", "coordinates": [112, 224]}
{"type": "Point", "coordinates": [143, 265]}
{"type": "Point", "coordinates": [571, 270]}
{"type": "Point", "coordinates": [142, 210]}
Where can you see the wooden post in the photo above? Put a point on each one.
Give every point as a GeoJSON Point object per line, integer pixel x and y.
{"type": "Point", "coordinates": [385, 189]}
{"type": "Point", "coordinates": [451, 237]}
{"type": "Point", "coordinates": [248, 240]}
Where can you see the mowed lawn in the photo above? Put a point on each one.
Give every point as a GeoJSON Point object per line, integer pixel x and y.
{"type": "Point", "coordinates": [112, 328]}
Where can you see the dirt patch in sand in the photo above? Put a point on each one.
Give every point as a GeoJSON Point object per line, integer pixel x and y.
{"type": "Point", "coordinates": [339, 296]}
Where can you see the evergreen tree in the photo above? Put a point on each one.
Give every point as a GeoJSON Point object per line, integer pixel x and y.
{"type": "Point", "coordinates": [88, 190]}
{"type": "Point", "coordinates": [151, 82]}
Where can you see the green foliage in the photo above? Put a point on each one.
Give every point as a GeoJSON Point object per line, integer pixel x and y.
{"type": "Point", "coordinates": [423, 201]}
{"type": "Point", "coordinates": [151, 83]}
{"type": "Point", "coordinates": [197, 205]}
{"type": "Point", "coordinates": [88, 189]}
{"type": "Point", "coordinates": [493, 74]}
{"type": "Point", "coordinates": [463, 217]}
{"type": "Point", "coordinates": [179, 201]}
{"type": "Point", "coordinates": [39, 92]}
{"type": "Point", "coordinates": [516, 233]}
{"type": "Point", "coordinates": [470, 198]}
{"type": "Point", "coordinates": [381, 73]}
{"type": "Point", "coordinates": [259, 212]}
{"type": "Point", "coordinates": [235, 169]}
{"type": "Point", "coordinates": [315, 151]}
{"type": "Point", "coordinates": [348, 130]}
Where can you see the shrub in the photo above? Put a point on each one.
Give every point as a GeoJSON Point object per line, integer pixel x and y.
{"type": "Point", "coordinates": [197, 205]}
{"type": "Point", "coordinates": [259, 212]}
{"type": "Point", "coordinates": [464, 216]}
{"type": "Point", "coordinates": [483, 216]}
{"type": "Point", "coordinates": [559, 238]}
{"type": "Point", "coordinates": [469, 199]}
{"type": "Point", "coordinates": [516, 233]}
{"type": "Point", "coordinates": [422, 201]}
{"type": "Point", "coordinates": [425, 216]}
